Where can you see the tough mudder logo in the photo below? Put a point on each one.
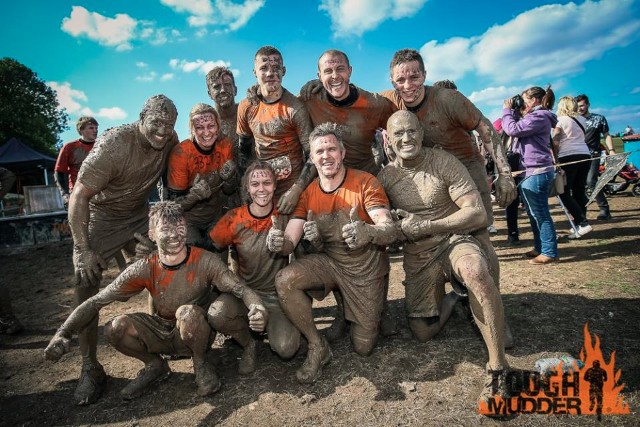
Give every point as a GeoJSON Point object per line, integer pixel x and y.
{"type": "Point", "coordinates": [593, 389]}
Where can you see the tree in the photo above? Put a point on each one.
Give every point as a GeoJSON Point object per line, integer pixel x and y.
{"type": "Point", "coordinates": [29, 109]}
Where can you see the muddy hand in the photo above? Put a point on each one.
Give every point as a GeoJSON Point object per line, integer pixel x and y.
{"type": "Point", "coordinates": [88, 267]}
{"type": "Point", "coordinates": [289, 200]}
{"type": "Point", "coordinates": [257, 317]}
{"type": "Point", "coordinates": [506, 191]}
{"type": "Point", "coordinates": [310, 88]}
{"type": "Point", "coordinates": [411, 226]}
{"type": "Point", "coordinates": [144, 246]}
{"type": "Point", "coordinates": [355, 233]}
{"type": "Point", "coordinates": [200, 188]}
{"type": "Point", "coordinates": [275, 237]}
{"type": "Point", "coordinates": [58, 346]}
{"type": "Point", "coordinates": [310, 229]}
{"type": "Point", "coordinates": [228, 170]}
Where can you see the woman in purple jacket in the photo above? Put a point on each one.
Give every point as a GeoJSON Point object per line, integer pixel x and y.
{"type": "Point", "coordinates": [532, 140]}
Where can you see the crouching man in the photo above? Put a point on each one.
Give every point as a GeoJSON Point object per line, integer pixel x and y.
{"type": "Point", "coordinates": [182, 281]}
{"type": "Point", "coordinates": [345, 215]}
{"type": "Point", "coordinates": [438, 205]}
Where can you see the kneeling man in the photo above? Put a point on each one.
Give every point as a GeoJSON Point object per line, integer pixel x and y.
{"type": "Point", "coordinates": [182, 281]}
{"type": "Point", "coordinates": [438, 205]}
{"type": "Point", "coordinates": [345, 215]}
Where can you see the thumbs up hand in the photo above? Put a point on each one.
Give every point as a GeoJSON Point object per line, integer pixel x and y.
{"type": "Point", "coordinates": [356, 233]}
{"type": "Point", "coordinates": [311, 232]}
{"type": "Point", "coordinates": [275, 237]}
{"type": "Point", "coordinates": [411, 226]}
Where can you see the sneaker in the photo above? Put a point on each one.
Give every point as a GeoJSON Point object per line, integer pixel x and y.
{"type": "Point", "coordinates": [513, 239]}
{"type": "Point", "coordinates": [206, 379]}
{"type": "Point", "coordinates": [317, 357]}
{"type": "Point", "coordinates": [146, 377]}
{"type": "Point", "coordinates": [338, 328]}
{"type": "Point", "coordinates": [90, 385]}
{"type": "Point", "coordinates": [580, 231]}
{"type": "Point", "coordinates": [249, 359]}
{"type": "Point", "coordinates": [388, 325]}
{"type": "Point", "coordinates": [492, 229]}
{"type": "Point", "coordinates": [604, 215]}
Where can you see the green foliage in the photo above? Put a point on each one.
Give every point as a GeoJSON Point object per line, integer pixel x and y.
{"type": "Point", "coordinates": [29, 108]}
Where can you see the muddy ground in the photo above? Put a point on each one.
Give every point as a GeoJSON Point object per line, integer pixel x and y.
{"type": "Point", "coordinates": [403, 383]}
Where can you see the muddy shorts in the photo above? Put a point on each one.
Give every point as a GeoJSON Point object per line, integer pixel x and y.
{"type": "Point", "coordinates": [363, 297]}
{"type": "Point", "coordinates": [427, 272]}
{"type": "Point", "coordinates": [107, 238]}
{"type": "Point", "coordinates": [479, 176]}
{"type": "Point", "coordinates": [279, 327]}
{"type": "Point", "coordinates": [158, 335]}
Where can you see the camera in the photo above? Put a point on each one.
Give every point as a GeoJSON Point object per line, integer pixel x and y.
{"type": "Point", "coordinates": [517, 102]}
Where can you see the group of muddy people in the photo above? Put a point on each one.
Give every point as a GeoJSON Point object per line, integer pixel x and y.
{"type": "Point", "coordinates": [274, 202]}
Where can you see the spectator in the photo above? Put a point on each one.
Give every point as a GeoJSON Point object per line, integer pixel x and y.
{"type": "Point", "coordinates": [569, 144]}
{"type": "Point", "coordinates": [532, 132]}
{"type": "Point", "coordinates": [596, 125]}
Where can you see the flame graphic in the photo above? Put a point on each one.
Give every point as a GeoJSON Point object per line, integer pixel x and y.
{"type": "Point", "coordinates": [568, 401]}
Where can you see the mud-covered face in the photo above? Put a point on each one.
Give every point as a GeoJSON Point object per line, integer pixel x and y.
{"type": "Point", "coordinates": [89, 132]}
{"type": "Point", "coordinates": [408, 81]}
{"type": "Point", "coordinates": [269, 71]}
{"type": "Point", "coordinates": [205, 130]}
{"type": "Point", "coordinates": [170, 238]}
{"type": "Point", "coordinates": [334, 73]}
{"type": "Point", "coordinates": [405, 136]}
{"type": "Point", "coordinates": [223, 91]}
{"type": "Point", "coordinates": [157, 127]}
{"type": "Point", "coordinates": [261, 187]}
{"type": "Point", "coordinates": [327, 156]}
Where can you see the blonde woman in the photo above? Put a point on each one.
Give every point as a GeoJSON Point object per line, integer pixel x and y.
{"type": "Point", "coordinates": [569, 144]}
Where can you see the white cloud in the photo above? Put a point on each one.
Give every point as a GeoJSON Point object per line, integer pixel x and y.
{"type": "Point", "coordinates": [552, 40]}
{"type": "Point", "coordinates": [73, 99]}
{"type": "Point", "coordinates": [68, 97]}
{"type": "Point", "coordinates": [149, 77]}
{"type": "Point", "coordinates": [354, 17]}
{"type": "Point", "coordinates": [141, 64]}
{"type": "Point", "coordinates": [166, 77]}
{"type": "Point", "coordinates": [222, 13]}
{"type": "Point", "coordinates": [199, 65]}
{"type": "Point", "coordinates": [118, 32]}
{"type": "Point", "coordinates": [635, 90]}
{"type": "Point", "coordinates": [113, 113]}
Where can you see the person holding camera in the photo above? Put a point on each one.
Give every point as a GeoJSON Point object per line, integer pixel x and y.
{"type": "Point", "coordinates": [529, 120]}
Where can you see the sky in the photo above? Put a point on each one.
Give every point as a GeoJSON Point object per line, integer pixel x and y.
{"type": "Point", "coordinates": [105, 58]}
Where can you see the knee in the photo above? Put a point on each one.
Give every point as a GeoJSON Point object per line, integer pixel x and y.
{"type": "Point", "coordinates": [285, 282]}
{"type": "Point", "coordinates": [474, 271]}
{"type": "Point", "coordinates": [363, 340]}
{"type": "Point", "coordinates": [424, 328]}
{"type": "Point", "coordinates": [117, 328]}
{"type": "Point", "coordinates": [285, 347]}
{"type": "Point", "coordinates": [189, 316]}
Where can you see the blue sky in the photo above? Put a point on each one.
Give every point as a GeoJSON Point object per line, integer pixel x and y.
{"type": "Point", "coordinates": [104, 58]}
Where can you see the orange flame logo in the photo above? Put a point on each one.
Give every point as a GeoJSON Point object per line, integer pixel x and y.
{"type": "Point", "coordinates": [594, 389]}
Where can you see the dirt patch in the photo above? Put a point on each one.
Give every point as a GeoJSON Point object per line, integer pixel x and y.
{"type": "Point", "coordinates": [403, 383]}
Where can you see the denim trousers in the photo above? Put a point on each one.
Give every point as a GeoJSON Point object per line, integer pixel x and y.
{"type": "Point", "coordinates": [535, 195]}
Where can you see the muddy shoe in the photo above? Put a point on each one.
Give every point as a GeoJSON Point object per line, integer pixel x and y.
{"type": "Point", "coordinates": [146, 377]}
{"type": "Point", "coordinates": [10, 325]}
{"type": "Point", "coordinates": [338, 328]}
{"type": "Point", "coordinates": [249, 359]}
{"type": "Point", "coordinates": [206, 379]}
{"type": "Point", "coordinates": [317, 357]}
{"type": "Point", "coordinates": [90, 385]}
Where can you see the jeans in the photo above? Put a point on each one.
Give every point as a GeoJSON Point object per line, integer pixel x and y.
{"type": "Point", "coordinates": [592, 178]}
{"type": "Point", "coordinates": [535, 195]}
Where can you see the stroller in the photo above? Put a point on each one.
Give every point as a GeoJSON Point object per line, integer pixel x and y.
{"type": "Point", "coordinates": [630, 176]}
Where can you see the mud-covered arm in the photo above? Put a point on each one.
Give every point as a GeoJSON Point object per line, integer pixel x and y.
{"type": "Point", "coordinates": [358, 233]}
{"type": "Point", "coordinates": [471, 216]}
{"type": "Point", "coordinates": [505, 185]}
{"type": "Point", "coordinates": [258, 315]}
{"type": "Point", "coordinates": [86, 262]}
{"type": "Point", "coordinates": [202, 188]}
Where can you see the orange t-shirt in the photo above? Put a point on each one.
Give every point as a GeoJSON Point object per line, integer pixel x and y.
{"type": "Point", "coordinates": [257, 266]}
{"type": "Point", "coordinates": [331, 210]}
{"type": "Point", "coordinates": [280, 130]}
{"type": "Point", "coordinates": [186, 161]}
{"type": "Point", "coordinates": [361, 119]}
